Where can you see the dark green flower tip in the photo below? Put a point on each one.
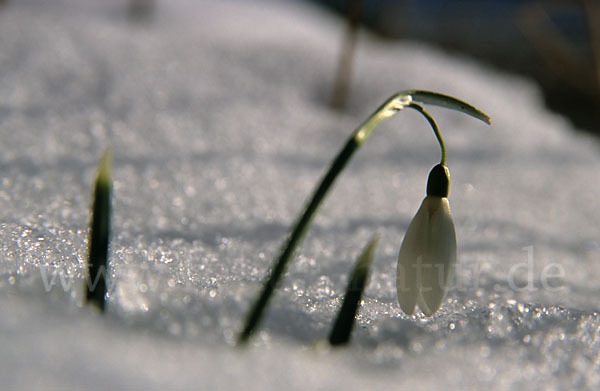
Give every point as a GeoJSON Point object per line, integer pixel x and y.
{"type": "Point", "coordinates": [438, 183]}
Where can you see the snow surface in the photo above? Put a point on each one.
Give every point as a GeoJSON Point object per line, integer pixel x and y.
{"type": "Point", "coordinates": [217, 115]}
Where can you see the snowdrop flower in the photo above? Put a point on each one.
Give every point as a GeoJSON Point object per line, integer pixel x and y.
{"type": "Point", "coordinates": [428, 253]}
{"type": "Point", "coordinates": [427, 256]}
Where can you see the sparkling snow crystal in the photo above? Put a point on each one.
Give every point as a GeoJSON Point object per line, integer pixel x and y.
{"type": "Point", "coordinates": [217, 115]}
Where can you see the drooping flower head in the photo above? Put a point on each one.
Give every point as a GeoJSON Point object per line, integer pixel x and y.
{"type": "Point", "coordinates": [427, 255]}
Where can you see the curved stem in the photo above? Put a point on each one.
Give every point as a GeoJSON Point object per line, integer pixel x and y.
{"type": "Point", "coordinates": [436, 130]}
{"type": "Point", "coordinates": [360, 135]}
{"type": "Point", "coordinates": [295, 238]}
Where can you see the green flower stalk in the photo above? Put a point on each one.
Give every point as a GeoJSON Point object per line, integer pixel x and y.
{"type": "Point", "coordinates": [396, 103]}
{"type": "Point", "coordinates": [99, 234]}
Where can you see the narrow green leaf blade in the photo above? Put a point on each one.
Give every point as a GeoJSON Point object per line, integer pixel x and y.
{"type": "Point", "coordinates": [342, 328]}
{"type": "Point", "coordinates": [99, 234]}
{"type": "Point", "coordinates": [449, 102]}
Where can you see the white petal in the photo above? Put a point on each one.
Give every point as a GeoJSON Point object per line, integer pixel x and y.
{"type": "Point", "coordinates": [423, 306]}
{"type": "Point", "coordinates": [439, 258]}
{"type": "Point", "coordinates": [411, 252]}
